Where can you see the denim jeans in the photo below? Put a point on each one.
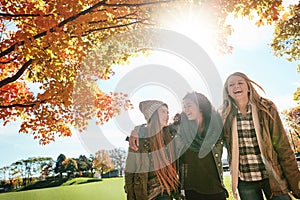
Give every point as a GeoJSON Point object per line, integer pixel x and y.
{"type": "Point", "coordinates": [254, 191]}
{"type": "Point", "coordinates": [282, 197]}
{"type": "Point", "coordinates": [163, 196]}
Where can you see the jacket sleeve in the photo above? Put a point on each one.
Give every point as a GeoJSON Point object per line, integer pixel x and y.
{"type": "Point", "coordinates": [136, 173]}
{"type": "Point", "coordinates": [285, 153]}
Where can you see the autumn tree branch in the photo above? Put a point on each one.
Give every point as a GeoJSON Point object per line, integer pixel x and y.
{"type": "Point", "coordinates": [139, 4]}
{"type": "Point", "coordinates": [72, 18]}
{"type": "Point", "coordinates": [109, 27]}
{"type": "Point", "coordinates": [18, 105]}
{"type": "Point", "coordinates": [9, 61]}
{"type": "Point", "coordinates": [22, 15]}
{"type": "Point", "coordinates": [17, 75]}
{"type": "Point", "coordinates": [23, 105]}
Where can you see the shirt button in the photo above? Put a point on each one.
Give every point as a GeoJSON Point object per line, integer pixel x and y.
{"type": "Point", "coordinates": [216, 155]}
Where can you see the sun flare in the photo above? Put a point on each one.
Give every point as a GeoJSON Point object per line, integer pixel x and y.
{"type": "Point", "coordinates": [193, 21]}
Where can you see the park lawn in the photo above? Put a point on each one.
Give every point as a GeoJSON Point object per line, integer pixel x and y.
{"type": "Point", "coordinates": [82, 188]}
{"type": "Point", "coordinates": [111, 188]}
{"type": "Point", "coordinates": [227, 185]}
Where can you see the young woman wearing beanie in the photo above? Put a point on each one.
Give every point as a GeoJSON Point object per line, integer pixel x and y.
{"type": "Point", "coordinates": [150, 173]}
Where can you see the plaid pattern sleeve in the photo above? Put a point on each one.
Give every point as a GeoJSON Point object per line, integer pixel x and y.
{"type": "Point", "coordinates": [251, 166]}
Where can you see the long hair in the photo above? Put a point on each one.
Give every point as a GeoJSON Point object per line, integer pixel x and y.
{"type": "Point", "coordinates": [203, 104]}
{"type": "Point", "coordinates": [163, 158]}
{"type": "Point", "coordinates": [254, 97]}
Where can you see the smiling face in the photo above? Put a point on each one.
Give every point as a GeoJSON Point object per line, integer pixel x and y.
{"type": "Point", "coordinates": [191, 109]}
{"type": "Point", "coordinates": [238, 89]}
{"type": "Point", "coordinates": [163, 115]}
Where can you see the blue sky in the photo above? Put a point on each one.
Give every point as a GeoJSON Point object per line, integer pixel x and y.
{"type": "Point", "coordinates": [251, 55]}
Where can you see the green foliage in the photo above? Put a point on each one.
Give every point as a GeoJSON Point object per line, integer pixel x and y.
{"type": "Point", "coordinates": [70, 166]}
{"type": "Point", "coordinates": [84, 163]}
{"type": "Point", "coordinates": [286, 39]}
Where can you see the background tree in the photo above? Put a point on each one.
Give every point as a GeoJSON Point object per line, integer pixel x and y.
{"type": "Point", "coordinates": [18, 168]}
{"type": "Point", "coordinates": [45, 166]}
{"type": "Point", "coordinates": [30, 168]}
{"type": "Point", "coordinates": [59, 167]}
{"type": "Point", "coordinates": [4, 172]}
{"type": "Point", "coordinates": [286, 44]}
{"type": "Point", "coordinates": [46, 170]}
{"type": "Point", "coordinates": [84, 164]}
{"type": "Point", "coordinates": [118, 158]}
{"type": "Point", "coordinates": [70, 166]}
{"type": "Point", "coordinates": [292, 119]}
{"type": "Point", "coordinates": [286, 39]}
{"type": "Point", "coordinates": [102, 162]}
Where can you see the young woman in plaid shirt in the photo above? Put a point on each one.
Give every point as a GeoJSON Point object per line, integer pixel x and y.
{"type": "Point", "coordinates": [260, 156]}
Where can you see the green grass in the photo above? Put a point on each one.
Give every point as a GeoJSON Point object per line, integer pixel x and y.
{"type": "Point", "coordinates": [78, 189]}
{"type": "Point", "coordinates": [82, 188]}
{"type": "Point", "coordinates": [227, 185]}
{"type": "Point", "coordinates": [74, 189]}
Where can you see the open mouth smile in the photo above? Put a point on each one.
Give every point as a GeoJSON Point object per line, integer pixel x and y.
{"type": "Point", "coordinates": [237, 92]}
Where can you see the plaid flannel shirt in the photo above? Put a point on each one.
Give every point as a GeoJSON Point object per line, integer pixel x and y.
{"type": "Point", "coordinates": [251, 166]}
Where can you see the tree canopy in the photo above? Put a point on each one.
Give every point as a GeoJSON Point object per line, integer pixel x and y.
{"type": "Point", "coordinates": [286, 44]}
{"type": "Point", "coordinates": [46, 50]}
{"type": "Point", "coordinates": [45, 46]}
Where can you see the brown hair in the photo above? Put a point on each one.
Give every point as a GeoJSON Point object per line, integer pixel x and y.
{"type": "Point", "coordinates": [203, 104]}
{"type": "Point", "coordinates": [163, 158]}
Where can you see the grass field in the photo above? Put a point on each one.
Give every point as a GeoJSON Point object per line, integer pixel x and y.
{"type": "Point", "coordinates": [81, 188]}
{"type": "Point", "coordinates": [75, 189]}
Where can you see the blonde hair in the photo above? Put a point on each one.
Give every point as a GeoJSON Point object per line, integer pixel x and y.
{"type": "Point", "coordinates": [254, 97]}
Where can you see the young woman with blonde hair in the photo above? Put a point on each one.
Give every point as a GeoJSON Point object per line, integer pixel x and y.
{"type": "Point", "coordinates": [260, 156]}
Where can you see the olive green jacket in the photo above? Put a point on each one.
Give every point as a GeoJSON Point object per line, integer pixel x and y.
{"type": "Point", "coordinates": [141, 182]}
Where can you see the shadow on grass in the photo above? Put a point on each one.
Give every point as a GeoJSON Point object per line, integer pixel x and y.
{"type": "Point", "coordinates": [45, 184]}
{"type": "Point", "coordinates": [90, 181]}
{"type": "Point", "coordinates": [59, 182]}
